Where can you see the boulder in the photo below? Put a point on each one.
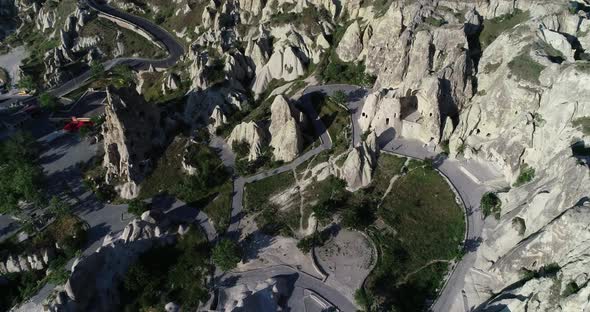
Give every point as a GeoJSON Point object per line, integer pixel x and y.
{"type": "Point", "coordinates": [351, 44]}
{"type": "Point", "coordinates": [558, 42]}
{"type": "Point", "coordinates": [357, 169]}
{"type": "Point", "coordinates": [250, 133]}
{"type": "Point", "coordinates": [285, 133]}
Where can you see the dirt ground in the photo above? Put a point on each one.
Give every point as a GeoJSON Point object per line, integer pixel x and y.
{"type": "Point", "coordinates": [261, 251]}
{"type": "Point", "coordinates": [348, 258]}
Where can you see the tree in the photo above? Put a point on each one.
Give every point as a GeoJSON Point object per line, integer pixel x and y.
{"type": "Point", "coordinates": [137, 207]}
{"type": "Point", "coordinates": [122, 75]}
{"type": "Point", "coordinates": [491, 204]}
{"type": "Point", "coordinates": [26, 83]}
{"type": "Point", "coordinates": [97, 69]}
{"type": "Point", "coordinates": [339, 97]}
{"type": "Point", "coordinates": [226, 255]}
{"type": "Point", "coordinates": [47, 101]}
{"type": "Point", "coordinates": [58, 208]}
{"type": "Point", "coordinates": [20, 176]}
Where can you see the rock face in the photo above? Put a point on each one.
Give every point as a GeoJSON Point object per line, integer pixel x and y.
{"type": "Point", "coordinates": [27, 262]}
{"type": "Point", "coordinates": [415, 114]}
{"type": "Point", "coordinates": [284, 130]}
{"type": "Point", "coordinates": [246, 297]}
{"type": "Point", "coordinates": [94, 279]}
{"type": "Point", "coordinates": [131, 130]}
{"type": "Point", "coordinates": [351, 44]}
{"type": "Point", "coordinates": [358, 167]}
{"type": "Point", "coordinates": [517, 120]}
{"type": "Point", "coordinates": [252, 134]}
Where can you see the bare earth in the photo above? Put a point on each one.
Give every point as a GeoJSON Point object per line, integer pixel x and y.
{"type": "Point", "coordinates": [348, 258]}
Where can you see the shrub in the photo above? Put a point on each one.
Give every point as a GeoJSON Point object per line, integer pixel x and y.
{"type": "Point", "coordinates": [338, 71]}
{"type": "Point", "coordinates": [527, 174]}
{"type": "Point", "coordinates": [519, 225]}
{"type": "Point", "coordinates": [137, 207]}
{"type": "Point", "coordinates": [491, 204]}
{"type": "Point", "coordinates": [47, 101]}
{"type": "Point", "coordinates": [242, 149]}
{"type": "Point", "coordinates": [314, 240]}
{"type": "Point", "coordinates": [570, 289]}
{"type": "Point", "coordinates": [226, 255]}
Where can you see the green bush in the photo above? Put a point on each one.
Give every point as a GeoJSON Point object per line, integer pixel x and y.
{"type": "Point", "coordinates": [48, 101]}
{"type": "Point", "coordinates": [20, 175]}
{"type": "Point", "coordinates": [491, 205]}
{"type": "Point", "coordinates": [338, 71]}
{"type": "Point", "coordinates": [527, 174]}
{"type": "Point", "coordinates": [311, 241]}
{"type": "Point", "coordinates": [226, 255]}
{"type": "Point", "coordinates": [570, 289]}
{"type": "Point", "coordinates": [241, 149]}
{"type": "Point", "coordinates": [137, 207]}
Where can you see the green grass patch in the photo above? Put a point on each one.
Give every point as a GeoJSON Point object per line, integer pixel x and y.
{"type": "Point", "coordinates": [428, 224]}
{"type": "Point", "coordinates": [494, 27]}
{"type": "Point", "coordinates": [525, 68]}
{"type": "Point", "coordinates": [258, 194]}
{"type": "Point", "coordinates": [583, 123]}
{"type": "Point", "coordinates": [219, 210]}
{"type": "Point", "coordinates": [387, 167]}
{"type": "Point", "coordinates": [272, 219]}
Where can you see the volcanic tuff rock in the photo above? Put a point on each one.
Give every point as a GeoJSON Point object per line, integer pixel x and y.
{"type": "Point", "coordinates": [131, 129]}
{"type": "Point", "coordinates": [358, 167]}
{"type": "Point", "coordinates": [525, 119]}
{"type": "Point", "coordinates": [94, 278]}
{"type": "Point", "coordinates": [252, 134]}
{"type": "Point", "coordinates": [284, 129]}
{"type": "Point", "coordinates": [351, 44]}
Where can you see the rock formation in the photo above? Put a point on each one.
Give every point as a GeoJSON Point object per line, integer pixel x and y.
{"type": "Point", "coordinates": [358, 167]}
{"type": "Point", "coordinates": [351, 45]}
{"type": "Point", "coordinates": [131, 130]}
{"type": "Point", "coordinates": [252, 134]}
{"type": "Point", "coordinates": [27, 262]}
{"type": "Point", "coordinates": [284, 129]}
{"type": "Point", "coordinates": [94, 279]}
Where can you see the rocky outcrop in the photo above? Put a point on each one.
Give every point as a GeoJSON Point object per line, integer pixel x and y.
{"type": "Point", "coordinates": [351, 45]}
{"type": "Point", "coordinates": [517, 121]}
{"type": "Point", "coordinates": [358, 167]}
{"type": "Point", "coordinates": [171, 83]}
{"type": "Point", "coordinates": [27, 262]}
{"type": "Point", "coordinates": [286, 139]}
{"type": "Point", "coordinates": [252, 134]}
{"type": "Point", "coordinates": [94, 279]}
{"type": "Point", "coordinates": [131, 130]}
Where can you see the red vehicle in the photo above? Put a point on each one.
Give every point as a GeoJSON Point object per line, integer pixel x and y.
{"type": "Point", "coordinates": [77, 123]}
